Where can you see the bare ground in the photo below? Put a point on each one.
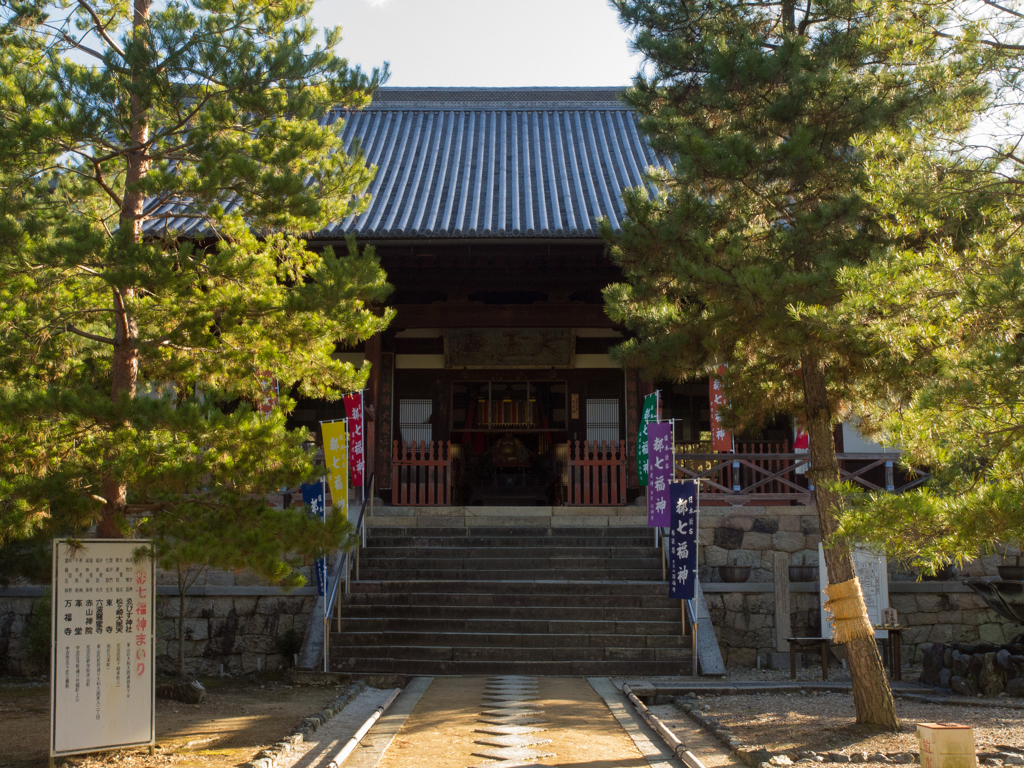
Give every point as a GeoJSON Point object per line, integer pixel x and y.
{"type": "Point", "coordinates": [825, 722]}
{"type": "Point", "coordinates": [239, 717]}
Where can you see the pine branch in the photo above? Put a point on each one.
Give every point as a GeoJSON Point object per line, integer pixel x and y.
{"type": "Point", "coordinates": [101, 30]}
{"type": "Point", "coordinates": [86, 335]}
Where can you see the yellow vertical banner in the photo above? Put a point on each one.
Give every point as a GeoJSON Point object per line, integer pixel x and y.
{"type": "Point", "coordinates": [336, 459]}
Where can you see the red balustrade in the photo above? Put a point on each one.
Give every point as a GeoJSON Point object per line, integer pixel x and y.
{"type": "Point", "coordinates": [421, 474]}
{"type": "Point", "coordinates": [596, 473]}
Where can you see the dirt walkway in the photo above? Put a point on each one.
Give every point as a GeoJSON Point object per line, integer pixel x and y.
{"type": "Point", "coordinates": [467, 721]}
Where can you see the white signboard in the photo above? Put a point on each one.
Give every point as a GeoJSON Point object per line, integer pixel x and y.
{"type": "Point", "coordinates": [101, 694]}
{"type": "Point", "coordinates": [873, 575]}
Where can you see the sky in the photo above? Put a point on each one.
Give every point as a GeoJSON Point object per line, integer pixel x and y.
{"type": "Point", "coordinates": [497, 43]}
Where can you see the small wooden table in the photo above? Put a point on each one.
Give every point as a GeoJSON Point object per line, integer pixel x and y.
{"type": "Point", "coordinates": [794, 641]}
{"type": "Point", "coordinates": [891, 649]}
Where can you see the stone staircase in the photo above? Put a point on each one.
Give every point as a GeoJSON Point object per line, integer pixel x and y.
{"type": "Point", "coordinates": [512, 600]}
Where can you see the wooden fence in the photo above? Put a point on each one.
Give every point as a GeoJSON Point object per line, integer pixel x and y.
{"type": "Point", "coordinates": [762, 470]}
{"type": "Point", "coordinates": [597, 473]}
{"type": "Point", "coordinates": [768, 476]}
{"type": "Point", "coordinates": [421, 474]}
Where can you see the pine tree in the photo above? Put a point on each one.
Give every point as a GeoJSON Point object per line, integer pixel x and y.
{"type": "Point", "coordinates": [133, 351]}
{"type": "Point", "coordinates": [761, 107]}
{"type": "Point", "coordinates": [945, 304]}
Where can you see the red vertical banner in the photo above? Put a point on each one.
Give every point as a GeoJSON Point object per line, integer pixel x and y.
{"type": "Point", "coordinates": [721, 438]}
{"type": "Point", "coordinates": [801, 444]}
{"type": "Point", "coordinates": [354, 411]}
{"type": "Point", "coordinates": [269, 393]}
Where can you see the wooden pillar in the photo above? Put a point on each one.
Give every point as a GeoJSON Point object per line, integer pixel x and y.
{"type": "Point", "coordinates": [782, 602]}
{"type": "Point", "coordinates": [385, 416]}
{"type": "Point", "coordinates": [634, 403]}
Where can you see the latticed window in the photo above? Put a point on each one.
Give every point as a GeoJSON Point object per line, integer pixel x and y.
{"type": "Point", "coordinates": [414, 420]}
{"type": "Point", "coordinates": [603, 420]}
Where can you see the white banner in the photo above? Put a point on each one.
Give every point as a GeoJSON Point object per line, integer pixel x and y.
{"type": "Point", "coordinates": [104, 614]}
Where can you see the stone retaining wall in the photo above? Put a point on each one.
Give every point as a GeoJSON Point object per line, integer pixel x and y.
{"type": "Point", "coordinates": [14, 655]}
{"type": "Point", "coordinates": [238, 631]}
{"type": "Point", "coordinates": [235, 620]}
{"type": "Point", "coordinates": [744, 618]}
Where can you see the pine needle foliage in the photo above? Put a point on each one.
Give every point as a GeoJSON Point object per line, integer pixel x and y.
{"type": "Point", "coordinates": [161, 167]}
{"type": "Point", "coordinates": [945, 300]}
{"type": "Point", "coordinates": [762, 109]}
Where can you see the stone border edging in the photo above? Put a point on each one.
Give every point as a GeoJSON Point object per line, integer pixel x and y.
{"type": "Point", "coordinates": [960, 701]}
{"type": "Point", "coordinates": [758, 757]}
{"type": "Point", "coordinates": [271, 756]}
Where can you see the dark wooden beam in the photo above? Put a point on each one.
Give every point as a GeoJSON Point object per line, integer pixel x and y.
{"type": "Point", "coordinates": [502, 316]}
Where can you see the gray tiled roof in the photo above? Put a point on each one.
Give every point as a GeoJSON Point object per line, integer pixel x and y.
{"type": "Point", "coordinates": [493, 162]}
{"type": "Point", "coordinates": [516, 162]}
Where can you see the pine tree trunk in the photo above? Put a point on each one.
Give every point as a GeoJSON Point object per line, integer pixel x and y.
{"type": "Point", "coordinates": [872, 696]}
{"type": "Point", "coordinates": [125, 362]}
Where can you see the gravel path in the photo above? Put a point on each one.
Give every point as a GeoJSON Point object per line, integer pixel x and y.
{"type": "Point", "coordinates": [317, 751]}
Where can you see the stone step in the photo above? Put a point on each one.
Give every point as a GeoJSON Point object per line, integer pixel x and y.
{"type": "Point", "coordinates": [575, 587]}
{"type": "Point", "coordinates": [487, 599]}
{"type": "Point", "coordinates": [531, 612]}
{"type": "Point", "coordinates": [493, 640]}
{"type": "Point", "coordinates": [375, 559]}
{"type": "Point", "coordinates": [442, 550]}
{"type": "Point", "coordinates": [596, 531]}
{"type": "Point", "coordinates": [515, 626]}
{"type": "Point", "coordinates": [504, 542]}
{"type": "Point", "coordinates": [384, 665]}
{"type": "Point", "coordinates": [513, 537]}
{"type": "Point", "coordinates": [580, 601]}
{"type": "Point", "coordinates": [450, 574]}
{"type": "Point", "coordinates": [462, 653]}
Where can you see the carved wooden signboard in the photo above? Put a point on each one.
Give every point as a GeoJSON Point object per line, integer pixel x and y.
{"type": "Point", "coordinates": [509, 348]}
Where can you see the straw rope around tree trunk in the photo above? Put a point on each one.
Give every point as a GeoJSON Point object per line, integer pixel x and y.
{"type": "Point", "coordinates": [849, 613]}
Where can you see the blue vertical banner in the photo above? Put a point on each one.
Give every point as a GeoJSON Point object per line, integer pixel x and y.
{"type": "Point", "coordinates": [659, 473]}
{"type": "Point", "coordinates": [682, 541]}
{"type": "Point", "coordinates": [313, 497]}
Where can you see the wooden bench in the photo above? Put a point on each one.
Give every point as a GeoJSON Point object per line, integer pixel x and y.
{"type": "Point", "coordinates": [794, 641]}
{"type": "Point", "coordinates": [890, 652]}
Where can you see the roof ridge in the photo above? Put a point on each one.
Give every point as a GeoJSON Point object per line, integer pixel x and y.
{"type": "Point", "coordinates": [473, 98]}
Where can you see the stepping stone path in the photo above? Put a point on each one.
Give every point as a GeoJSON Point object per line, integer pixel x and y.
{"type": "Point", "coordinates": [510, 722]}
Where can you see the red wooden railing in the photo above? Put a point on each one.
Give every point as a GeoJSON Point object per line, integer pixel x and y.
{"type": "Point", "coordinates": [597, 473]}
{"type": "Point", "coordinates": [421, 474]}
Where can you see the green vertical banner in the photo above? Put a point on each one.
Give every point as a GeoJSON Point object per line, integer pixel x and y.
{"type": "Point", "coordinates": [650, 413]}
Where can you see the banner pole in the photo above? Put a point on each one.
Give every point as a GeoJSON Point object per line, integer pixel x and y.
{"type": "Point", "coordinates": [362, 485]}
{"type": "Point", "coordinates": [696, 580]}
{"type": "Point", "coordinates": [657, 419]}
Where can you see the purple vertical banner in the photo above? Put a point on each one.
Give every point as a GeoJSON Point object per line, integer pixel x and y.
{"type": "Point", "coordinates": [682, 541]}
{"type": "Point", "coordinates": [659, 473]}
{"type": "Point", "coordinates": [313, 497]}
